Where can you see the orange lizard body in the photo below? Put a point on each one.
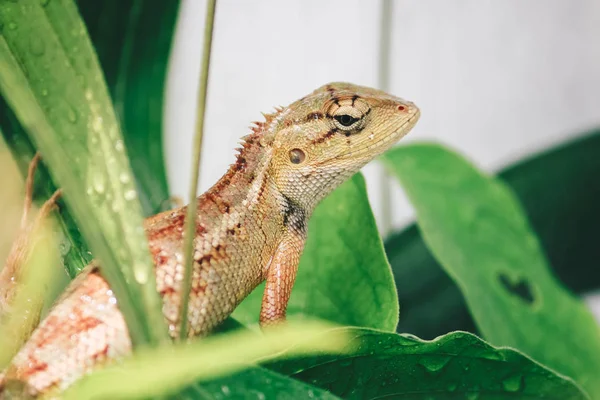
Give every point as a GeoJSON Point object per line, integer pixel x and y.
{"type": "Point", "coordinates": [251, 227]}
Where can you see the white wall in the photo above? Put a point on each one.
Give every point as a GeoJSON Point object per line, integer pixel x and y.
{"type": "Point", "coordinates": [494, 79]}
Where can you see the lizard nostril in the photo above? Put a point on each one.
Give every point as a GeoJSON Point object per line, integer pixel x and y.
{"type": "Point", "coordinates": [401, 108]}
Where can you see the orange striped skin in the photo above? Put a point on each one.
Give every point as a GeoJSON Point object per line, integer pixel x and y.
{"type": "Point", "coordinates": [251, 227]}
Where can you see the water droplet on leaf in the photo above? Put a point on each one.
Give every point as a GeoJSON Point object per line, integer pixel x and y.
{"type": "Point", "coordinates": [72, 115]}
{"type": "Point", "coordinates": [140, 274]}
{"type": "Point", "coordinates": [514, 383]}
{"type": "Point", "coordinates": [130, 194]}
{"type": "Point", "coordinates": [434, 364]}
{"type": "Point", "coordinates": [99, 185]}
{"type": "Point", "coordinates": [472, 395]}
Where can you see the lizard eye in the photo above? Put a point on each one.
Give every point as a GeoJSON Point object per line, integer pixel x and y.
{"type": "Point", "coordinates": [297, 156]}
{"type": "Point", "coordinates": [346, 120]}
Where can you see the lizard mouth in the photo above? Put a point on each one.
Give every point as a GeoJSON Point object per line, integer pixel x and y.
{"type": "Point", "coordinates": [383, 143]}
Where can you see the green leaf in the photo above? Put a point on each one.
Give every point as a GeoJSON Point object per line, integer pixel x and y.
{"type": "Point", "coordinates": [250, 383]}
{"type": "Point", "coordinates": [455, 366]}
{"type": "Point", "coordinates": [164, 370]}
{"type": "Point", "coordinates": [344, 276]}
{"type": "Point", "coordinates": [477, 230]}
{"type": "Point", "coordinates": [50, 77]}
{"type": "Point", "coordinates": [565, 220]}
{"type": "Point", "coordinates": [133, 41]}
{"type": "Point", "coordinates": [255, 383]}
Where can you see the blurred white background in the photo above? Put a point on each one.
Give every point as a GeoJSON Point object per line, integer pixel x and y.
{"type": "Point", "coordinates": [496, 80]}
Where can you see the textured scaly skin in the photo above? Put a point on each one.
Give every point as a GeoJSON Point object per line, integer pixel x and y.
{"type": "Point", "coordinates": [251, 226]}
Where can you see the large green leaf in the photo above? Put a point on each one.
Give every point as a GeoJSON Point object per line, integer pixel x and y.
{"type": "Point", "coordinates": [565, 220]}
{"type": "Point", "coordinates": [455, 366]}
{"type": "Point", "coordinates": [50, 77]}
{"type": "Point", "coordinates": [477, 230]}
{"type": "Point", "coordinates": [133, 41]}
{"type": "Point", "coordinates": [343, 275]}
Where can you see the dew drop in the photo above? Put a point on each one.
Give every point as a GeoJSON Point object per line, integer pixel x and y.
{"type": "Point", "coordinates": [97, 124]}
{"type": "Point", "coordinates": [64, 247]}
{"type": "Point", "coordinates": [434, 364]}
{"type": "Point", "coordinates": [119, 146]}
{"type": "Point", "coordinates": [472, 395]}
{"type": "Point", "coordinates": [88, 94]}
{"type": "Point", "coordinates": [72, 115]}
{"type": "Point", "coordinates": [514, 383]}
{"type": "Point", "coordinates": [130, 194]}
{"type": "Point", "coordinates": [346, 362]}
{"type": "Point", "coordinates": [12, 26]}
{"type": "Point", "coordinates": [140, 274]}
{"type": "Point", "coordinates": [44, 92]}
{"type": "Point", "coordinates": [124, 177]}
{"type": "Point", "coordinates": [225, 390]}
{"type": "Point", "coordinates": [99, 184]}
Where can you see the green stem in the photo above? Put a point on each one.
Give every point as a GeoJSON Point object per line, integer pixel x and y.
{"type": "Point", "coordinates": [190, 220]}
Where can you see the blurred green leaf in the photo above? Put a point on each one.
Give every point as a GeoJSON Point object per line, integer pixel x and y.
{"type": "Point", "coordinates": [454, 366]}
{"type": "Point", "coordinates": [477, 230]}
{"type": "Point", "coordinates": [164, 370]}
{"type": "Point", "coordinates": [565, 220]}
{"type": "Point", "coordinates": [50, 77]}
{"type": "Point", "coordinates": [343, 275]}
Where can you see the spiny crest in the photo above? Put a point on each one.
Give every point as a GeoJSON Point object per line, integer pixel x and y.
{"type": "Point", "coordinates": [250, 144]}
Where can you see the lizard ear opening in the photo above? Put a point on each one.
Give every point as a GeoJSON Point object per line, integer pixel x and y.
{"type": "Point", "coordinates": [297, 156]}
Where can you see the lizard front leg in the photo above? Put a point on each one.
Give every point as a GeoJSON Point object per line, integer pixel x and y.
{"type": "Point", "coordinates": [280, 277]}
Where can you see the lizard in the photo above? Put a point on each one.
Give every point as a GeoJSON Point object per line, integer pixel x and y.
{"type": "Point", "coordinates": [250, 227]}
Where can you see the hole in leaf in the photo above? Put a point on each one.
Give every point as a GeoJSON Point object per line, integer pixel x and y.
{"type": "Point", "coordinates": [519, 287]}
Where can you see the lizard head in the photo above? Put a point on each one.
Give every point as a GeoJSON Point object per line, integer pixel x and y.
{"type": "Point", "coordinates": [322, 139]}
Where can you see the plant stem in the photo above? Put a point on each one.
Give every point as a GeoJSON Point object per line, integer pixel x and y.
{"type": "Point", "coordinates": [190, 220]}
